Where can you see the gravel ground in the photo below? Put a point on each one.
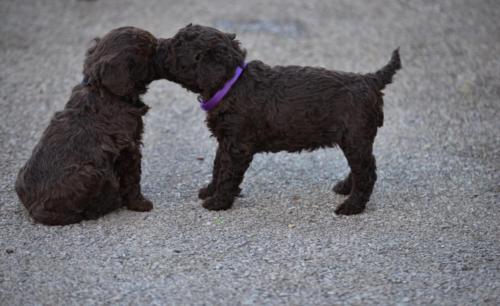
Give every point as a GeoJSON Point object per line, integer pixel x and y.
{"type": "Point", "coordinates": [430, 234]}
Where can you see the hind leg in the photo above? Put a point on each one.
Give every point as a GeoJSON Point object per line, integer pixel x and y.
{"type": "Point", "coordinates": [50, 217]}
{"type": "Point", "coordinates": [105, 201]}
{"type": "Point", "coordinates": [363, 177]}
{"type": "Point", "coordinates": [76, 208]}
{"type": "Point", "coordinates": [128, 167]}
{"type": "Point", "coordinates": [344, 186]}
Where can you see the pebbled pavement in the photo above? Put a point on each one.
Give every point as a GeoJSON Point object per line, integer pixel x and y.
{"type": "Point", "coordinates": [430, 234]}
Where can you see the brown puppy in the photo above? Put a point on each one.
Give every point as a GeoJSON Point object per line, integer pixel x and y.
{"type": "Point", "coordinates": [271, 109]}
{"type": "Point", "coordinates": [88, 161]}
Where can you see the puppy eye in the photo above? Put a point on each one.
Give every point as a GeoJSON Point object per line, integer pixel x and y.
{"type": "Point", "coordinates": [197, 56]}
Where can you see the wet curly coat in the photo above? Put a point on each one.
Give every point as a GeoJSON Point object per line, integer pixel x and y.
{"type": "Point", "coordinates": [280, 108]}
{"type": "Point", "coordinates": [88, 161]}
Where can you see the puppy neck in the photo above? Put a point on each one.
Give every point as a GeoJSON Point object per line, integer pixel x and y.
{"type": "Point", "coordinates": [133, 100]}
{"type": "Point", "coordinates": [218, 96]}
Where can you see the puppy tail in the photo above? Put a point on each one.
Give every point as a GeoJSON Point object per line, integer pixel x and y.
{"type": "Point", "coordinates": [384, 75]}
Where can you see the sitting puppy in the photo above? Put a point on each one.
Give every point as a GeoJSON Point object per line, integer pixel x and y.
{"type": "Point", "coordinates": [256, 108]}
{"type": "Point", "coordinates": [88, 161]}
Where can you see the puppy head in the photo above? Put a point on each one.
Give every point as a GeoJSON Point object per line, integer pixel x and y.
{"type": "Point", "coordinates": [122, 61]}
{"type": "Point", "coordinates": [200, 58]}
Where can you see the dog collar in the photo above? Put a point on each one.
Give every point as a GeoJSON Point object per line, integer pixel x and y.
{"type": "Point", "coordinates": [220, 94]}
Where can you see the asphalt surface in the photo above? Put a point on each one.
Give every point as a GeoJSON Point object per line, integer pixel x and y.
{"type": "Point", "coordinates": [430, 234]}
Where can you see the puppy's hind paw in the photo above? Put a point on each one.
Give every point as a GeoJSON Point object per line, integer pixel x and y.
{"type": "Point", "coordinates": [140, 205]}
{"type": "Point", "coordinates": [213, 203]}
{"type": "Point", "coordinates": [349, 208]}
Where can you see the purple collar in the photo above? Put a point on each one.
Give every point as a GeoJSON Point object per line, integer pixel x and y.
{"type": "Point", "coordinates": [220, 94]}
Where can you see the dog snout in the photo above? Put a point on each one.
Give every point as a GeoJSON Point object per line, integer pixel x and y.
{"type": "Point", "coordinates": [162, 55]}
{"type": "Point", "coordinates": [163, 45]}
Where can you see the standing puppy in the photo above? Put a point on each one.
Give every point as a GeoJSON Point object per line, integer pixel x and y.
{"type": "Point", "coordinates": [256, 108]}
{"type": "Point", "coordinates": [88, 161]}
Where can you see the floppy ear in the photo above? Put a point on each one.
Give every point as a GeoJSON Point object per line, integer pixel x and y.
{"type": "Point", "coordinates": [212, 68]}
{"type": "Point", "coordinates": [114, 74]}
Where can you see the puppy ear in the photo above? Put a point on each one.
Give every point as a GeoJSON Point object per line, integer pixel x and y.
{"type": "Point", "coordinates": [114, 74]}
{"type": "Point", "coordinates": [231, 36]}
{"type": "Point", "coordinates": [212, 68]}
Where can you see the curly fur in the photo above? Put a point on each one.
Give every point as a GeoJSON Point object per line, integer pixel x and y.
{"type": "Point", "coordinates": [280, 108]}
{"type": "Point", "coordinates": [88, 161]}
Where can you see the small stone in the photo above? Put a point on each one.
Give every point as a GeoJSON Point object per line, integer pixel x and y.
{"type": "Point", "coordinates": [200, 158]}
{"type": "Point", "coordinates": [466, 268]}
{"type": "Point", "coordinates": [291, 225]}
{"type": "Point", "coordinates": [9, 251]}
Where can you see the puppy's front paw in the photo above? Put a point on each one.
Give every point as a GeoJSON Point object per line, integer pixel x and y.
{"type": "Point", "coordinates": [206, 192]}
{"type": "Point", "coordinates": [343, 187]}
{"type": "Point", "coordinates": [349, 207]}
{"type": "Point", "coordinates": [141, 204]}
{"type": "Point", "coordinates": [214, 203]}
{"type": "Point", "coordinates": [209, 191]}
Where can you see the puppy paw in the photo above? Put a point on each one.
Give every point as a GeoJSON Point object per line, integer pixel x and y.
{"type": "Point", "coordinates": [206, 192]}
{"type": "Point", "coordinates": [342, 187]}
{"type": "Point", "coordinates": [349, 208]}
{"type": "Point", "coordinates": [140, 205]}
{"type": "Point", "coordinates": [214, 203]}
{"type": "Point", "coordinates": [209, 191]}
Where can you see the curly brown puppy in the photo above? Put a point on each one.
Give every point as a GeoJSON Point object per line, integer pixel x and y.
{"type": "Point", "coordinates": [88, 161]}
{"type": "Point", "coordinates": [257, 108]}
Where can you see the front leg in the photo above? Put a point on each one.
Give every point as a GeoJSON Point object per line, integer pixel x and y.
{"type": "Point", "coordinates": [129, 170]}
{"type": "Point", "coordinates": [344, 186]}
{"type": "Point", "coordinates": [234, 160]}
{"type": "Point", "coordinates": [209, 190]}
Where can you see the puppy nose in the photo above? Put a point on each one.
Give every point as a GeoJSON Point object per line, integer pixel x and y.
{"type": "Point", "coordinates": [162, 48]}
{"type": "Point", "coordinates": [161, 54]}
{"type": "Point", "coordinates": [164, 43]}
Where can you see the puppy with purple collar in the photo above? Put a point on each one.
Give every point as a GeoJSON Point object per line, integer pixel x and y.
{"type": "Point", "coordinates": [253, 108]}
